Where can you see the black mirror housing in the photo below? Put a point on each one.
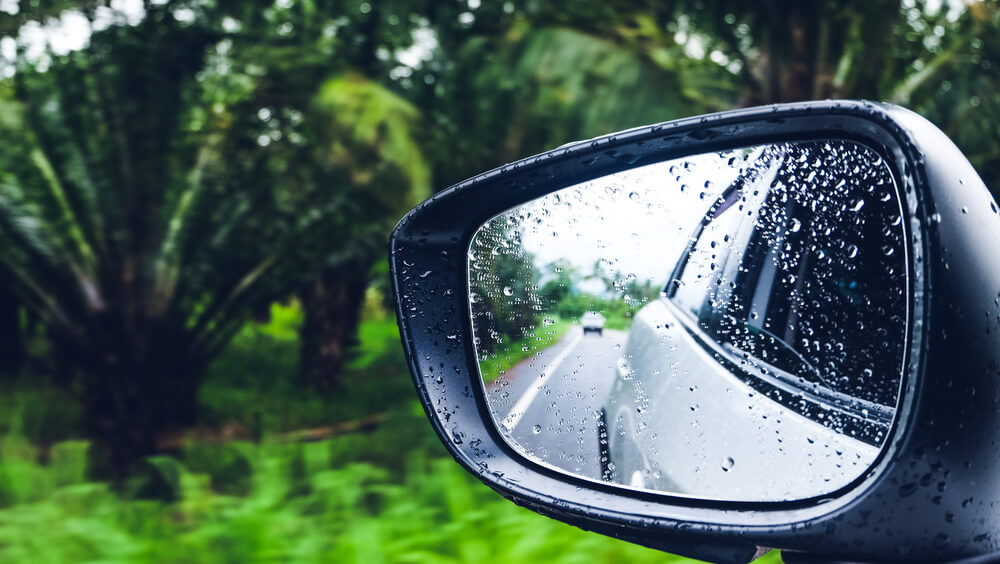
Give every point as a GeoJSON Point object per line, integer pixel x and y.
{"type": "Point", "coordinates": [930, 494]}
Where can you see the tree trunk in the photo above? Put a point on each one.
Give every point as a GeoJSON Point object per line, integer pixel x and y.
{"type": "Point", "coordinates": [128, 403]}
{"type": "Point", "coordinates": [11, 340]}
{"type": "Point", "coordinates": [332, 307]}
{"type": "Point", "coordinates": [799, 73]}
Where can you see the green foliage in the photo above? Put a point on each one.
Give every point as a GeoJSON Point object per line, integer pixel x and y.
{"type": "Point", "coordinates": [251, 382]}
{"type": "Point", "coordinates": [37, 410]}
{"type": "Point", "coordinates": [534, 86]}
{"type": "Point", "coordinates": [508, 353]}
{"type": "Point", "coordinates": [956, 87]}
{"type": "Point", "coordinates": [428, 510]}
{"type": "Point", "coordinates": [561, 285]}
{"type": "Point", "coordinates": [503, 287]}
{"type": "Point", "coordinates": [166, 182]}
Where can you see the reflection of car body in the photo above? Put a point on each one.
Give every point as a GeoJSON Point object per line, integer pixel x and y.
{"type": "Point", "coordinates": [740, 372]}
{"type": "Point", "coordinates": [592, 321]}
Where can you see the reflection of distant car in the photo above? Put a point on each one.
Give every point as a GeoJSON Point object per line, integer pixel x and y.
{"type": "Point", "coordinates": [592, 321]}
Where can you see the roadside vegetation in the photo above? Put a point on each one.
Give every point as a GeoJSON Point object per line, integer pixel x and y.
{"type": "Point", "coordinates": [274, 474]}
{"type": "Point", "coordinates": [507, 355]}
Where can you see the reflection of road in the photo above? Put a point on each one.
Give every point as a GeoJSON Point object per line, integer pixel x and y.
{"type": "Point", "coordinates": [549, 402]}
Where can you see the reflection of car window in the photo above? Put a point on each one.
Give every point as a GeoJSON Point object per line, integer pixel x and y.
{"type": "Point", "coordinates": [715, 246]}
{"type": "Point", "coordinates": [703, 260]}
{"type": "Point", "coordinates": [800, 268]}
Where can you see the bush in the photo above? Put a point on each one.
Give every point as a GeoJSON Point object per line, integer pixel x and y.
{"type": "Point", "coordinates": [305, 505]}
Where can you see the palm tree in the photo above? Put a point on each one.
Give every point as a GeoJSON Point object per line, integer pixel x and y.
{"type": "Point", "coordinates": [151, 200]}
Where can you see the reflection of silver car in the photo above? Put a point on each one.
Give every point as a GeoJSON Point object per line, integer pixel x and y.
{"type": "Point", "coordinates": [592, 321]}
{"type": "Point", "coordinates": [772, 359]}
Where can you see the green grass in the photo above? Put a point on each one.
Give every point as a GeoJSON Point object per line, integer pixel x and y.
{"type": "Point", "coordinates": [329, 501]}
{"type": "Point", "coordinates": [253, 381]}
{"type": "Point", "coordinates": [392, 495]}
{"type": "Point", "coordinates": [509, 353]}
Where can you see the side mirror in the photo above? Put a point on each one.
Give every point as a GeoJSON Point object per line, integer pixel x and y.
{"type": "Point", "coordinates": [775, 327]}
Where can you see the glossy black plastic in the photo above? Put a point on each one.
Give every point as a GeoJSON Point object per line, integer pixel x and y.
{"type": "Point", "coordinates": [932, 495]}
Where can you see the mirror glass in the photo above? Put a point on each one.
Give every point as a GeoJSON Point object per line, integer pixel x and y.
{"type": "Point", "coordinates": [726, 326]}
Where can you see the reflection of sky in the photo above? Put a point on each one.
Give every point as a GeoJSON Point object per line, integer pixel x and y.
{"type": "Point", "coordinates": [635, 222]}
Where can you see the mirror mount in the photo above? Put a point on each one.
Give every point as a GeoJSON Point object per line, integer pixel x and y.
{"type": "Point", "coordinates": [946, 420]}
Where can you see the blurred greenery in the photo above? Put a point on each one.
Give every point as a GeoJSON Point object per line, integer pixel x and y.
{"type": "Point", "coordinates": [197, 356]}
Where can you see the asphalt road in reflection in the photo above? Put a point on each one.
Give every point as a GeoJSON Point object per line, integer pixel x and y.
{"type": "Point", "coordinates": [549, 402]}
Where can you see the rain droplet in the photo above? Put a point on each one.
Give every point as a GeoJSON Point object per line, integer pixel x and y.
{"type": "Point", "coordinates": [536, 429]}
{"type": "Point", "coordinates": [728, 463]}
{"type": "Point", "coordinates": [508, 291]}
{"type": "Point", "coordinates": [794, 225]}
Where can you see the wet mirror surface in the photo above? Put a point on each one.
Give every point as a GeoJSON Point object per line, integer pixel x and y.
{"type": "Point", "coordinates": [727, 326]}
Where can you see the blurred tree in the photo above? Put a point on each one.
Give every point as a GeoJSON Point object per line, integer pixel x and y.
{"type": "Point", "coordinates": [560, 285]}
{"type": "Point", "coordinates": [503, 284]}
{"type": "Point", "coordinates": [786, 50]}
{"type": "Point", "coordinates": [274, 74]}
{"type": "Point", "coordinates": [516, 78]}
{"type": "Point", "coordinates": [368, 133]}
{"type": "Point", "coordinates": [93, 173]}
{"type": "Point", "coordinates": [565, 71]}
{"type": "Point", "coordinates": [934, 57]}
{"type": "Point", "coordinates": [957, 84]}
{"type": "Point", "coordinates": [177, 175]}
{"type": "Point", "coordinates": [11, 340]}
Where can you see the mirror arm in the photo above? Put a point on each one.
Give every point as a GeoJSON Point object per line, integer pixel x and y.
{"type": "Point", "coordinates": [794, 557]}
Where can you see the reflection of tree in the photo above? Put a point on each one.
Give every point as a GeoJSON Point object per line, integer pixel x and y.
{"type": "Point", "coordinates": [562, 285]}
{"type": "Point", "coordinates": [503, 285]}
{"type": "Point", "coordinates": [622, 296]}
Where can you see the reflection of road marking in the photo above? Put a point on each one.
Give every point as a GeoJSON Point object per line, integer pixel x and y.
{"type": "Point", "coordinates": [519, 409]}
